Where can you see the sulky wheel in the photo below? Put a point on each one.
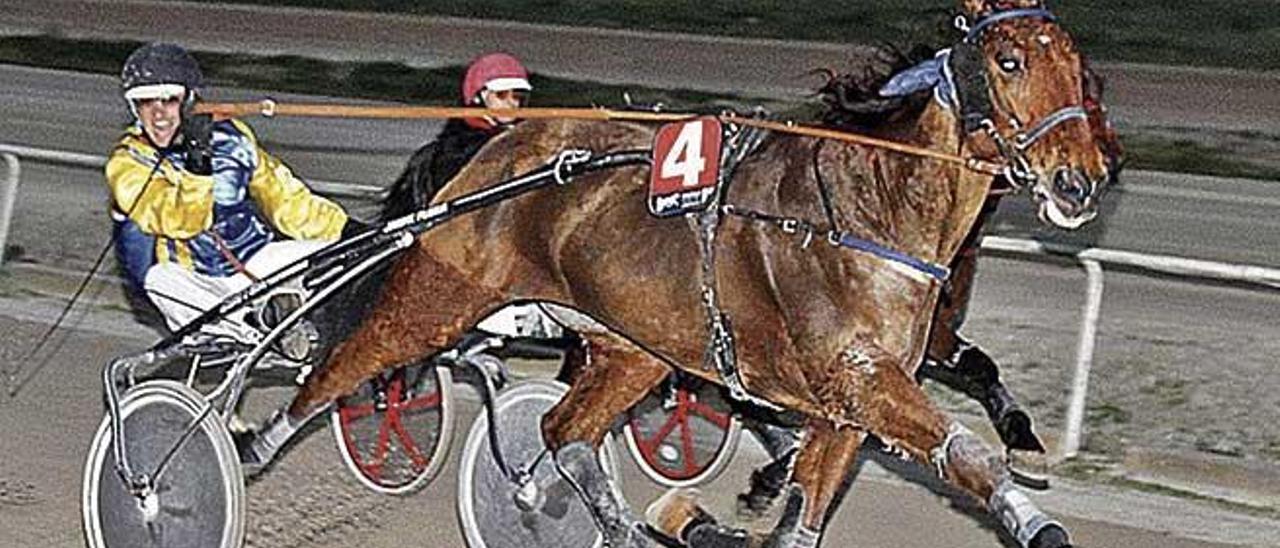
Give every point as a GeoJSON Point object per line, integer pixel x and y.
{"type": "Point", "coordinates": [682, 434]}
{"type": "Point", "coordinates": [494, 511]}
{"type": "Point", "coordinates": [394, 431]}
{"type": "Point", "coordinates": [195, 499]}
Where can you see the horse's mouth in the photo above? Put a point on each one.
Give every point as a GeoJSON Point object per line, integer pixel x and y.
{"type": "Point", "coordinates": [1062, 213]}
{"type": "Point", "coordinates": [1067, 199]}
{"type": "Point", "coordinates": [1051, 214]}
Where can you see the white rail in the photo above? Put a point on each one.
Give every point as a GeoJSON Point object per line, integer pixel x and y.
{"type": "Point", "coordinates": [8, 195]}
{"type": "Point", "coordinates": [1091, 259]}
{"type": "Point", "coordinates": [328, 188]}
{"type": "Point", "coordinates": [1165, 264]}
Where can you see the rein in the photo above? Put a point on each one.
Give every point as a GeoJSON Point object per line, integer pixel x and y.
{"type": "Point", "coordinates": [974, 31]}
{"type": "Point", "coordinates": [271, 108]}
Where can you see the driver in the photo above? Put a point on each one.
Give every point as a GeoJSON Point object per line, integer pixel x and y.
{"type": "Point", "coordinates": [494, 80]}
{"type": "Point", "coordinates": [200, 209]}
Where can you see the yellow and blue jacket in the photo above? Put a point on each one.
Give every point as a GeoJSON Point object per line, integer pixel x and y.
{"type": "Point", "coordinates": [210, 224]}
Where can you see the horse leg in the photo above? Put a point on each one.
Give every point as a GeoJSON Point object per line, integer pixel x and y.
{"type": "Point", "coordinates": [872, 391]}
{"type": "Point", "coordinates": [894, 408]}
{"type": "Point", "coordinates": [822, 465]}
{"type": "Point", "coordinates": [970, 371]}
{"type": "Point", "coordinates": [964, 367]}
{"type": "Point", "coordinates": [781, 443]}
{"type": "Point", "coordinates": [611, 377]}
{"type": "Point", "coordinates": [409, 322]}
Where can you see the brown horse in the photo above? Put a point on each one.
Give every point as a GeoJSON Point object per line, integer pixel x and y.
{"type": "Point", "coordinates": [855, 102]}
{"type": "Point", "coordinates": [826, 331]}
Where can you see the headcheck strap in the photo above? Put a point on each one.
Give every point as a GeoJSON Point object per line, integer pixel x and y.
{"type": "Point", "coordinates": [1025, 139]}
{"type": "Point", "coordinates": [973, 32]}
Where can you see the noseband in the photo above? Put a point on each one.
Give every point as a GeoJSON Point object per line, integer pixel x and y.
{"type": "Point", "coordinates": [1017, 166]}
{"type": "Point", "coordinates": [1018, 169]}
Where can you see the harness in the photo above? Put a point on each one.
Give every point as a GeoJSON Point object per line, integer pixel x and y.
{"type": "Point", "coordinates": [959, 80]}
{"type": "Point", "coordinates": [720, 352]}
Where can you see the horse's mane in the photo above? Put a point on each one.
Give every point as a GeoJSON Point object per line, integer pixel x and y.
{"type": "Point", "coordinates": [852, 99]}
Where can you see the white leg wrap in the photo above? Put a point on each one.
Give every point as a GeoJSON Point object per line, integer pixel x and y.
{"type": "Point", "coordinates": [1018, 514]}
{"type": "Point", "coordinates": [277, 432]}
{"type": "Point", "coordinates": [805, 538]}
{"type": "Point", "coordinates": [941, 455]}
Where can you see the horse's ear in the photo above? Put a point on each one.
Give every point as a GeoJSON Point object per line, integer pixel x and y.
{"type": "Point", "coordinates": [975, 8]}
{"type": "Point", "coordinates": [979, 8]}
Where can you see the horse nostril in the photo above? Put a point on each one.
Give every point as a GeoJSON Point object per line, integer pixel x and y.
{"type": "Point", "coordinates": [1071, 184]}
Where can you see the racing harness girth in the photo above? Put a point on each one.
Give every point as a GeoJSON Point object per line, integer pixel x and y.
{"type": "Point", "coordinates": [720, 352]}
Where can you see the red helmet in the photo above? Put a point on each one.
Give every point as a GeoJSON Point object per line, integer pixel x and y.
{"type": "Point", "coordinates": [495, 72]}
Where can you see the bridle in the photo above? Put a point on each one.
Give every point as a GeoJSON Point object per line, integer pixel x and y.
{"type": "Point", "coordinates": [1013, 150]}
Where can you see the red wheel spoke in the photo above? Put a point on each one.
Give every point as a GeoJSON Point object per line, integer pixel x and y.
{"type": "Point", "coordinates": [395, 389]}
{"type": "Point", "coordinates": [648, 446]}
{"type": "Point", "coordinates": [429, 401]}
{"type": "Point", "coordinates": [710, 413]}
{"type": "Point", "coordinates": [406, 441]}
{"type": "Point", "coordinates": [352, 412]}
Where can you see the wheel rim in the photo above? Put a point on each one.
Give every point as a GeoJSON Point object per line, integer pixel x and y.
{"type": "Point", "coordinates": [184, 510]}
{"type": "Point", "coordinates": [393, 433]}
{"type": "Point", "coordinates": [486, 509]}
{"type": "Point", "coordinates": [688, 444]}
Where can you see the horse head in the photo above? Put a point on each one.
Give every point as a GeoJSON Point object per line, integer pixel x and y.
{"type": "Point", "coordinates": [1020, 79]}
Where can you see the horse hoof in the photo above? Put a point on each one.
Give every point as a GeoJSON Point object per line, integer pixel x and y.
{"type": "Point", "coordinates": [675, 514]}
{"type": "Point", "coordinates": [767, 484]}
{"type": "Point", "coordinates": [1014, 427]}
{"type": "Point", "coordinates": [753, 506]}
{"type": "Point", "coordinates": [252, 462]}
{"type": "Point", "coordinates": [1051, 536]}
{"type": "Point", "coordinates": [717, 536]}
{"type": "Point", "coordinates": [1030, 470]}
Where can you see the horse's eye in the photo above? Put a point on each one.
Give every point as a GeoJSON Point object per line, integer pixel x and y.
{"type": "Point", "coordinates": [1010, 64]}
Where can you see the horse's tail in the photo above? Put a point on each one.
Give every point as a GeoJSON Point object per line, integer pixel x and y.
{"type": "Point", "coordinates": [414, 188]}
{"type": "Point", "coordinates": [431, 167]}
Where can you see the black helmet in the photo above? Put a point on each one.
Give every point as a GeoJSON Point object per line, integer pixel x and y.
{"type": "Point", "coordinates": [157, 69]}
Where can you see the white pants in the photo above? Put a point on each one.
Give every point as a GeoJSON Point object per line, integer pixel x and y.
{"type": "Point", "coordinates": [183, 295]}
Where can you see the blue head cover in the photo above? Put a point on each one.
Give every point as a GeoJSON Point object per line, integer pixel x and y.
{"type": "Point", "coordinates": [934, 73]}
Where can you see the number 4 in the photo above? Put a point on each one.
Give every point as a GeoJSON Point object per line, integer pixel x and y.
{"type": "Point", "coordinates": [685, 158]}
